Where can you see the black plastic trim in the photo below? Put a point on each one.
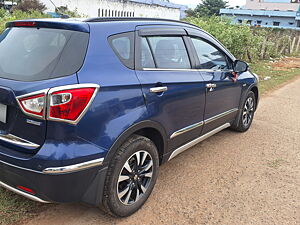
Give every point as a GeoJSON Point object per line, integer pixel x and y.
{"type": "Point", "coordinates": [130, 131]}
{"type": "Point", "coordinates": [167, 31]}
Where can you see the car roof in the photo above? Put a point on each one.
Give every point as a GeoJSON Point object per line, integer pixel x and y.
{"type": "Point", "coordinates": [141, 20]}
{"type": "Point", "coordinates": [81, 24]}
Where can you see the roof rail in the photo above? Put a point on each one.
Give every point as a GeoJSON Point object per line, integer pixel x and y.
{"type": "Point", "coordinates": [115, 19]}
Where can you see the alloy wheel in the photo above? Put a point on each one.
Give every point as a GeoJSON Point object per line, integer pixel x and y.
{"type": "Point", "coordinates": [135, 177]}
{"type": "Point", "coordinates": [248, 111]}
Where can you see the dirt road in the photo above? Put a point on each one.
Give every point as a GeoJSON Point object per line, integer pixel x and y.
{"type": "Point", "coordinates": [231, 178]}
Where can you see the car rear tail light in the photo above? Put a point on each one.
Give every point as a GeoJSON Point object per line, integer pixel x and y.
{"type": "Point", "coordinates": [33, 104]}
{"type": "Point", "coordinates": [65, 104]}
{"type": "Point", "coordinates": [68, 105]}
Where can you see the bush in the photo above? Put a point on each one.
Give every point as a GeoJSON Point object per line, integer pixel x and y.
{"type": "Point", "coordinates": [248, 43]}
{"type": "Point", "coordinates": [239, 39]}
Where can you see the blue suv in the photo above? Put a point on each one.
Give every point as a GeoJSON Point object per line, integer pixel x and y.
{"type": "Point", "coordinates": [89, 109]}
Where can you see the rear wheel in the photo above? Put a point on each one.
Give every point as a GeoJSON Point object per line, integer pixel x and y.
{"type": "Point", "coordinates": [246, 115]}
{"type": "Point", "coordinates": [131, 176]}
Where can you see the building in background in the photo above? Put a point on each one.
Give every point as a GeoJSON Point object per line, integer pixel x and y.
{"type": "Point", "coordinates": [121, 8]}
{"type": "Point", "coordinates": [7, 4]}
{"type": "Point", "coordinates": [267, 13]}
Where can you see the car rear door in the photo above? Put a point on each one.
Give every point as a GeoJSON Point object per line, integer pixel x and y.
{"type": "Point", "coordinates": [174, 91]}
{"type": "Point", "coordinates": [215, 65]}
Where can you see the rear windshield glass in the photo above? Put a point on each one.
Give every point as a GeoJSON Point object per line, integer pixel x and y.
{"type": "Point", "coordinates": [30, 54]}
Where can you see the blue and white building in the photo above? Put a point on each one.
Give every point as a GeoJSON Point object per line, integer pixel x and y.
{"type": "Point", "coordinates": [267, 13]}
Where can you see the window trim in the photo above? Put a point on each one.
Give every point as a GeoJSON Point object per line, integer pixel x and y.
{"type": "Point", "coordinates": [168, 31]}
{"type": "Point", "coordinates": [138, 40]}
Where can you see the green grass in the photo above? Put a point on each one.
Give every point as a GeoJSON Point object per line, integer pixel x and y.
{"type": "Point", "coordinates": [278, 77]}
{"type": "Point", "coordinates": [14, 208]}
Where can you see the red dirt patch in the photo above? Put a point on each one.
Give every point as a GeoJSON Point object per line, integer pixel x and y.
{"type": "Point", "coordinates": [286, 64]}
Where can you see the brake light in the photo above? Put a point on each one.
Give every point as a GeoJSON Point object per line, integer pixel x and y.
{"type": "Point", "coordinates": [34, 104]}
{"type": "Point", "coordinates": [70, 104]}
{"type": "Point", "coordinates": [25, 24]}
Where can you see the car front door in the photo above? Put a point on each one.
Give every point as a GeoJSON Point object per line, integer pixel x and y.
{"type": "Point", "coordinates": [174, 92]}
{"type": "Point", "coordinates": [222, 93]}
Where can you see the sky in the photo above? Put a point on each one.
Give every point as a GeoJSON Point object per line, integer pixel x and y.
{"type": "Point", "coordinates": [193, 3]}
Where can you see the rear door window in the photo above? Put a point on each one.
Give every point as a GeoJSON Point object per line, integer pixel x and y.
{"type": "Point", "coordinates": [30, 54]}
{"type": "Point", "coordinates": [147, 60]}
{"type": "Point", "coordinates": [169, 52]}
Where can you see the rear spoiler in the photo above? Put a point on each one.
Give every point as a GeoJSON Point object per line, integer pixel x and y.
{"type": "Point", "coordinates": [59, 24]}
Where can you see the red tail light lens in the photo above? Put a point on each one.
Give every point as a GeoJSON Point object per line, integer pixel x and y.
{"type": "Point", "coordinates": [25, 24]}
{"type": "Point", "coordinates": [69, 105]}
{"type": "Point", "coordinates": [33, 105]}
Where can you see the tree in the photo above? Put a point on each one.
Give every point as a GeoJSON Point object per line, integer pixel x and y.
{"type": "Point", "coordinates": [64, 11]}
{"type": "Point", "coordinates": [190, 13]}
{"type": "Point", "coordinates": [210, 7]}
{"type": "Point", "coordinates": [29, 5]}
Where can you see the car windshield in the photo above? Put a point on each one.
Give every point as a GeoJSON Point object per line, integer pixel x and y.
{"type": "Point", "coordinates": [29, 54]}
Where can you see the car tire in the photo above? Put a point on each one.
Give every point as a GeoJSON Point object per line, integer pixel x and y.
{"type": "Point", "coordinates": [131, 176]}
{"type": "Point", "coordinates": [245, 117]}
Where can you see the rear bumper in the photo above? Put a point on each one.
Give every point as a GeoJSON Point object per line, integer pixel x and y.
{"type": "Point", "coordinates": [75, 183]}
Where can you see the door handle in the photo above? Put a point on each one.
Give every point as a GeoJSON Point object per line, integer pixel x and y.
{"type": "Point", "coordinates": [158, 89]}
{"type": "Point", "coordinates": [211, 85]}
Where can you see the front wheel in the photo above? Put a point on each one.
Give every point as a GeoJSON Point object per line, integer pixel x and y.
{"type": "Point", "coordinates": [131, 176]}
{"type": "Point", "coordinates": [246, 114]}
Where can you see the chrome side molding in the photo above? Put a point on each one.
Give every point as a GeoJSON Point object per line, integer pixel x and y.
{"type": "Point", "coordinates": [18, 141]}
{"type": "Point", "coordinates": [199, 124]}
{"type": "Point", "coordinates": [198, 140]}
{"type": "Point", "coordinates": [17, 191]}
{"type": "Point", "coordinates": [73, 168]}
{"type": "Point", "coordinates": [219, 116]}
{"type": "Point", "coordinates": [186, 129]}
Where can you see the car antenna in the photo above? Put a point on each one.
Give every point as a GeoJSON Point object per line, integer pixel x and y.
{"type": "Point", "coordinates": [57, 11]}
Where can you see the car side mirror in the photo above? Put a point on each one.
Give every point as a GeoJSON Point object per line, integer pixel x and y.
{"type": "Point", "coordinates": [240, 66]}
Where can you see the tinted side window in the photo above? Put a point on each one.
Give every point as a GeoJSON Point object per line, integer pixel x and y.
{"type": "Point", "coordinates": [123, 46]}
{"type": "Point", "coordinates": [209, 56]}
{"type": "Point", "coordinates": [147, 60]}
{"type": "Point", "coordinates": [169, 52]}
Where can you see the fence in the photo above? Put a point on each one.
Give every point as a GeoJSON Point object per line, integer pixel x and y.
{"type": "Point", "coordinates": [278, 42]}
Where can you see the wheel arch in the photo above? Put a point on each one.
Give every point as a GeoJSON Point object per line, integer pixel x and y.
{"type": "Point", "coordinates": [150, 129]}
{"type": "Point", "coordinates": [254, 89]}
